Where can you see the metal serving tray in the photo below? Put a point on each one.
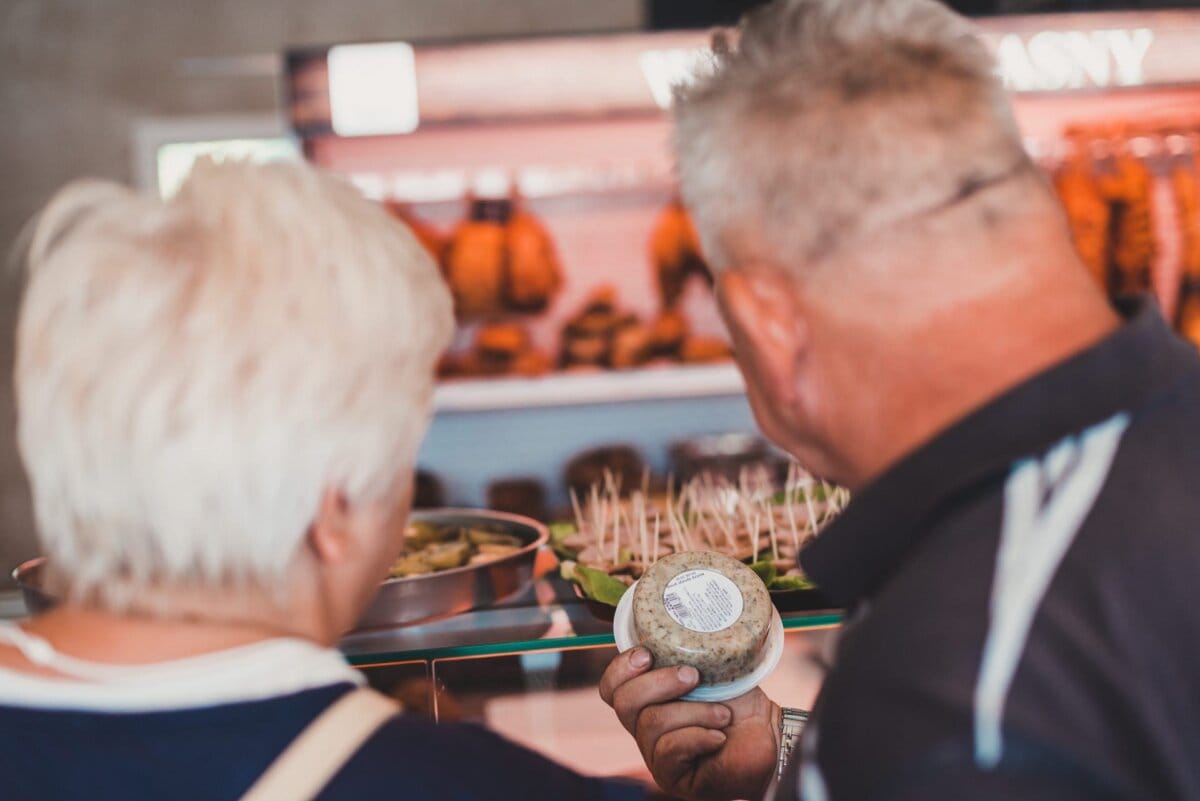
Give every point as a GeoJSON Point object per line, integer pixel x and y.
{"type": "Point", "coordinates": [403, 601]}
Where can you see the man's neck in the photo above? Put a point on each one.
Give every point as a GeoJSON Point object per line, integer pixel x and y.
{"type": "Point", "coordinates": [964, 360]}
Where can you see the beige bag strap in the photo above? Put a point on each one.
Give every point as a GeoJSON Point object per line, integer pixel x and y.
{"type": "Point", "coordinates": [320, 751]}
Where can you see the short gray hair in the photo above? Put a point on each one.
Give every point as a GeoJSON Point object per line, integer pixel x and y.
{"type": "Point", "coordinates": [832, 118]}
{"type": "Point", "coordinates": [192, 374]}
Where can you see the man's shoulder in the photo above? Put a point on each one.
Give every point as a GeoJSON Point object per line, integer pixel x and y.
{"type": "Point", "coordinates": [1108, 631]}
{"type": "Point", "coordinates": [1144, 515]}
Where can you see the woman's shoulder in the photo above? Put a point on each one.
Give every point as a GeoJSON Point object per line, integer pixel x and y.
{"type": "Point", "coordinates": [463, 760]}
{"type": "Point", "coordinates": [218, 751]}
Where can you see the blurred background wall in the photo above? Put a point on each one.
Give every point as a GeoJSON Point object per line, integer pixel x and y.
{"type": "Point", "coordinates": [75, 75]}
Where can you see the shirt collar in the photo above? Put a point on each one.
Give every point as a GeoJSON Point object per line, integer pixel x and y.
{"type": "Point", "coordinates": [256, 672]}
{"type": "Point", "coordinates": [1122, 372]}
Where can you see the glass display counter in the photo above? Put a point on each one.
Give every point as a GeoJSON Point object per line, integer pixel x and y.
{"type": "Point", "coordinates": [529, 668]}
{"type": "Point", "coordinates": [547, 618]}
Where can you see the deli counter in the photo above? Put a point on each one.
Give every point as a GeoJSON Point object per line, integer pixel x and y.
{"type": "Point", "coordinates": [538, 174]}
{"type": "Point", "coordinates": [589, 349]}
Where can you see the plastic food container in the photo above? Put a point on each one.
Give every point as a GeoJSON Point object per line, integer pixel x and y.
{"type": "Point", "coordinates": [698, 624]}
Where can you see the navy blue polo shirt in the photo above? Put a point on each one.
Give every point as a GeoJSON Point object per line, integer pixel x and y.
{"type": "Point", "coordinates": [1021, 595]}
{"type": "Point", "coordinates": [70, 740]}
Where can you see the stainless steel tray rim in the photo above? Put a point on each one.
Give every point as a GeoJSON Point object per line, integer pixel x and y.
{"type": "Point", "coordinates": [406, 601]}
{"type": "Point", "coordinates": [480, 515]}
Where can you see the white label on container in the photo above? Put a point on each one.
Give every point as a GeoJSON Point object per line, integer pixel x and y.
{"type": "Point", "coordinates": [703, 600]}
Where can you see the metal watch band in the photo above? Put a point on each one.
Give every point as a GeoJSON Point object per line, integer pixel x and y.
{"type": "Point", "coordinates": [791, 726]}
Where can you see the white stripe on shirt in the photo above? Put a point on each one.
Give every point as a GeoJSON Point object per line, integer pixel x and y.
{"type": "Point", "coordinates": [1045, 503]}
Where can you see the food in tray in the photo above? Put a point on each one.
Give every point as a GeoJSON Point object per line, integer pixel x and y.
{"type": "Point", "coordinates": [534, 273]}
{"type": "Point", "coordinates": [587, 337]}
{"type": "Point", "coordinates": [675, 253]}
{"type": "Point", "coordinates": [427, 491]}
{"type": "Point", "coordinates": [1109, 195]}
{"type": "Point", "coordinates": [519, 496]}
{"type": "Point", "coordinates": [505, 348]}
{"type": "Point", "coordinates": [591, 467]}
{"type": "Point", "coordinates": [615, 540]}
{"type": "Point", "coordinates": [1131, 234]}
{"type": "Point", "coordinates": [630, 346]}
{"type": "Point", "coordinates": [1185, 185]}
{"type": "Point", "coordinates": [1185, 188]}
{"type": "Point", "coordinates": [704, 350]}
{"type": "Point", "coordinates": [667, 334]}
{"type": "Point", "coordinates": [590, 350]}
{"type": "Point", "coordinates": [724, 455]}
{"type": "Point", "coordinates": [1130, 190]}
{"type": "Point", "coordinates": [475, 261]}
{"type": "Point", "coordinates": [501, 341]}
{"type": "Point", "coordinates": [500, 349]}
{"type": "Point", "coordinates": [1087, 212]}
{"type": "Point", "coordinates": [501, 258]}
{"type": "Point", "coordinates": [703, 609]}
{"type": "Point", "coordinates": [433, 547]}
{"type": "Point", "coordinates": [601, 335]}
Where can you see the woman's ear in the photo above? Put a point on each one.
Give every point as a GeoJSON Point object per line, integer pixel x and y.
{"type": "Point", "coordinates": [331, 535]}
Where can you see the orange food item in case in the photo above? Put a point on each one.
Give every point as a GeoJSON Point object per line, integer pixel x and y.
{"type": "Point", "coordinates": [534, 273]}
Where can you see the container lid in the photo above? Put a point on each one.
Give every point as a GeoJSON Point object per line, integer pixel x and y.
{"type": "Point", "coordinates": [772, 651]}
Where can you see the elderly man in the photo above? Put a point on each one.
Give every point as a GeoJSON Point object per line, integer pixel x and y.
{"type": "Point", "coordinates": [220, 401]}
{"type": "Point", "coordinates": [1019, 561]}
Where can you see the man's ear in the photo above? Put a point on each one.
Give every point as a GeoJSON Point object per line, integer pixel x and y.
{"type": "Point", "coordinates": [762, 308]}
{"type": "Point", "coordinates": [331, 535]}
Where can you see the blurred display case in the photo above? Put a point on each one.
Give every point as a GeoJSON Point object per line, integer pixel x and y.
{"type": "Point", "coordinates": [575, 132]}
{"type": "Point", "coordinates": [572, 131]}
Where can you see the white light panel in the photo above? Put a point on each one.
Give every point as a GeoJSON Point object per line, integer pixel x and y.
{"type": "Point", "coordinates": [373, 89]}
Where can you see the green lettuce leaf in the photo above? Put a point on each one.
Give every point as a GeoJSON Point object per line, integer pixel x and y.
{"type": "Point", "coordinates": [785, 583]}
{"type": "Point", "coordinates": [817, 491]}
{"type": "Point", "coordinates": [766, 571]}
{"type": "Point", "coordinates": [558, 534]}
{"type": "Point", "coordinates": [599, 586]}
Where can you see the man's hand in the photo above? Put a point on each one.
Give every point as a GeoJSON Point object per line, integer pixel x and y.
{"type": "Point", "coordinates": [697, 750]}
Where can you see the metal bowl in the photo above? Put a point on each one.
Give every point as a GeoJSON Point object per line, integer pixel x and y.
{"type": "Point", "coordinates": [403, 601]}
{"type": "Point", "coordinates": [28, 577]}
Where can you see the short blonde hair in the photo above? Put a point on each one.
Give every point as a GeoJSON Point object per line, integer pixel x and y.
{"type": "Point", "coordinates": [832, 118]}
{"type": "Point", "coordinates": [191, 374]}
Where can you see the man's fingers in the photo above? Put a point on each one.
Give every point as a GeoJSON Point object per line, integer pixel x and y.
{"type": "Point", "coordinates": [654, 722]}
{"type": "Point", "coordinates": [624, 667]}
{"type": "Point", "coordinates": [655, 687]}
{"type": "Point", "coordinates": [676, 752]}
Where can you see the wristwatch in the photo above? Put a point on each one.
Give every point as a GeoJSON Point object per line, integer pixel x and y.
{"type": "Point", "coordinates": [791, 726]}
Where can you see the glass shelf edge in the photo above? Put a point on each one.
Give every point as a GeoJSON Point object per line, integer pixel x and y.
{"type": "Point", "coordinates": [552, 644]}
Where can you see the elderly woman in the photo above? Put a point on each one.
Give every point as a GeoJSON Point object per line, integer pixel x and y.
{"type": "Point", "coordinates": [220, 402]}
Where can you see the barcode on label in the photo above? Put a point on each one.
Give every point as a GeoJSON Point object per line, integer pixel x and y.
{"type": "Point", "coordinates": [677, 609]}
